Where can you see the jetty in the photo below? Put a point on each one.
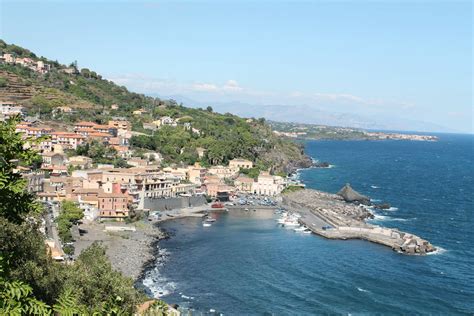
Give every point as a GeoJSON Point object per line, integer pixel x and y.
{"type": "Point", "coordinates": [333, 217]}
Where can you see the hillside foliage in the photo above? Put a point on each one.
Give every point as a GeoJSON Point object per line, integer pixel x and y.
{"type": "Point", "coordinates": [222, 136]}
{"type": "Point", "coordinates": [31, 283]}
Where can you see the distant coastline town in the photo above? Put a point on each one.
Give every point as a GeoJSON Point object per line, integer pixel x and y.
{"type": "Point", "coordinates": [313, 131]}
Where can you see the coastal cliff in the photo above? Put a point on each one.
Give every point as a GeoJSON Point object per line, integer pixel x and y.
{"type": "Point", "coordinates": [330, 216]}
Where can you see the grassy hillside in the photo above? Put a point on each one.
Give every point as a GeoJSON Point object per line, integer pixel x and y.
{"type": "Point", "coordinates": [223, 136]}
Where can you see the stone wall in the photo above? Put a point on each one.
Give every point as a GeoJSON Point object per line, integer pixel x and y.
{"type": "Point", "coordinates": [173, 203]}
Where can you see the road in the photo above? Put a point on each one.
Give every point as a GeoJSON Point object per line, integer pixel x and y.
{"type": "Point", "coordinates": [51, 229]}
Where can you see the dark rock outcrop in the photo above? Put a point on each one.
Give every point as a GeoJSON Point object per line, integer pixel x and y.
{"type": "Point", "coordinates": [321, 164]}
{"type": "Point", "coordinates": [382, 206]}
{"type": "Point", "coordinates": [351, 195]}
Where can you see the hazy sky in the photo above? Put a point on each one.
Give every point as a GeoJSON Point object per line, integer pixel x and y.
{"type": "Point", "coordinates": [409, 59]}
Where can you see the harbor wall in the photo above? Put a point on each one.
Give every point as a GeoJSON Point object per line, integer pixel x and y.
{"type": "Point", "coordinates": [173, 203]}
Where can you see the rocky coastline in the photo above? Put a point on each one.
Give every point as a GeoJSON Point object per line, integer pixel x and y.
{"type": "Point", "coordinates": [129, 252]}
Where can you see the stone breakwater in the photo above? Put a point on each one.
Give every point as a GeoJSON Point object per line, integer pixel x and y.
{"type": "Point", "coordinates": [328, 215]}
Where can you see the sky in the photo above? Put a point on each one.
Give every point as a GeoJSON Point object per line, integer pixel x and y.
{"type": "Point", "coordinates": [402, 59]}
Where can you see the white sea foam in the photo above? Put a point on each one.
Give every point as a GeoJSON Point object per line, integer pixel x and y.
{"type": "Point", "coordinates": [438, 251]}
{"type": "Point", "coordinates": [385, 218]}
{"type": "Point", "coordinates": [157, 284]}
{"type": "Point", "coordinates": [392, 209]}
{"type": "Point", "coordinates": [378, 217]}
{"type": "Point", "coordinates": [362, 290]}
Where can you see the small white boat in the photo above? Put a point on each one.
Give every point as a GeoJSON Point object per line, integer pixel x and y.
{"type": "Point", "coordinates": [210, 220]}
{"type": "Point", "coordinates": [204, 224]}
{"type": "Point", "coordinates": [291, 223]}
{"type": "Point", "coordinates": [300, 229]}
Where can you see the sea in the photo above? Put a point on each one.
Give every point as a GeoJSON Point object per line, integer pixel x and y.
{"type": "Point", "coordinates": [245, 264]}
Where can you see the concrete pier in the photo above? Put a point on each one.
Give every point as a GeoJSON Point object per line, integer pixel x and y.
{"type": "Point", "coordinates": [329, 216]}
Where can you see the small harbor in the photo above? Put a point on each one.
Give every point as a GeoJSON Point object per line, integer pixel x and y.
{"type": "Point", "coordinates": [330, 216]}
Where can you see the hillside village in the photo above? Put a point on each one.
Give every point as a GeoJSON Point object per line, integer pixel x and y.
{"type": "Point", "coordinates": [64, 176]}
{"type": "Point", "coordinates": [110, 153]}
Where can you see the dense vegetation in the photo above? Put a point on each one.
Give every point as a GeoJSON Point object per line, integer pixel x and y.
{"type": "Point", "coordinates": [223, 136]}
{"type": "Point", "coordinates": [30, 281]}
{"type": "Point", "coordinates": [70, 214]}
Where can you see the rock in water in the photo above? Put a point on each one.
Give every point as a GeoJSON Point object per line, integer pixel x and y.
{"type": "Point", "coordinates": [322, 164]}
{"type": "Point", "coordinates": [351, 195]}
{"type": "Point", "coordinates": [383, 206]}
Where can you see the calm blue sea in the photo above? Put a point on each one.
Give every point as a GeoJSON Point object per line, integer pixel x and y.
{"type": "Point", "coordinates": [245, 264]}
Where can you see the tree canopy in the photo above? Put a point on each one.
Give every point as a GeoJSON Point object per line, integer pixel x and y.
{"type": "Point", "coordinates": [31, 283]}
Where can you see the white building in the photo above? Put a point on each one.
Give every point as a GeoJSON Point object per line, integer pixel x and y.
{"type": "Point", "coordinates": [240, 163]}
{"type": "Point", "coordinates": [8, 109]}
{"type": "Point", "coordinates": [267, 184]}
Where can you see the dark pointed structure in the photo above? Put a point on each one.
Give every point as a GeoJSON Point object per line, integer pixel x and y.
{"type": "Point", "coordinates": [351, 195]}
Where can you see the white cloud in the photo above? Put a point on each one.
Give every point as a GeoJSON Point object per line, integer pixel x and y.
{"type": "Point", "coordinates": [208, 87]}
{"type": "Point", "coordinates": [231, 90]}
{"type": "Point", "coordinates": [232, 85]}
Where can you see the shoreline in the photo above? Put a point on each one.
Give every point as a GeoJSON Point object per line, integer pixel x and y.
{"type": "Point", "coordinates": [131, 252]}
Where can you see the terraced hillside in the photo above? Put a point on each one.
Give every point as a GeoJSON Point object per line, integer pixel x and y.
{"type": "Point", "coordinates": [222, 136]}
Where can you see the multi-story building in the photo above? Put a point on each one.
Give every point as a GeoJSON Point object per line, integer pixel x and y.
{"type": "Point", "coordinates": [196, 174]}
{"type": "Point", "coordinates": [244, 184]}
{"type": "Point", "coordinates": [84, 125]}
{"type": "Point", "coordinates": [113, 205]}
{"type": "Point", "coordinates": [120, 125]}
{"type": "Point", "coordinates": [223, 172]}
{"type": "Point", "coordinates": [53, 159]}
{"type": "Point", "coordinates": [35, 181]}
{"type": "Point", "coordinates": [9, 58]}
{"type": "Point", "coordinates": [215, 189]}
{"type": "Point", "coordinates": [81, 162]}
{"type": "Point", "coordinates": [240, 163]}
{"type": "Point", "coordinates": [267, 184]}
{"type": "Point", "coordinates": [31, 131]}
{"type": "Point", "coordinates": [68, 140]}
{"type": "Point", "coordinates": [9, 109]}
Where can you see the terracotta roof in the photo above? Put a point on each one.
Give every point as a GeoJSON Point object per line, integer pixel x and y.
{"type": "Point", "coordinates": [84, 123]}
{"type": "Point", "coordinates": [84, 191]}
{"type": "Point", "coordinates": [113, 195]}
{"type": "Point", "coordinates": [100, 126]}
{"type": "Point", "coordinates": [67, 135]}
{"type": "Point", "coordinates": [99, 134]}
{"type": "Point", "coordinates": [85, 129]}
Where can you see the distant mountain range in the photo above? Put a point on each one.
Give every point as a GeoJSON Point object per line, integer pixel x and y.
{"type": "Point", "coordinates": [313, 115]}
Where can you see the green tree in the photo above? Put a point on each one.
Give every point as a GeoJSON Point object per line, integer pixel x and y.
{"type": "Point", "coordinates": [16, 202]}
{"type": "Point", "coordinates": [3, 82]}
{"type": "Point", "coordinates": [30, 281]}
{"type": "Point", "coordinates": [70, 215]}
